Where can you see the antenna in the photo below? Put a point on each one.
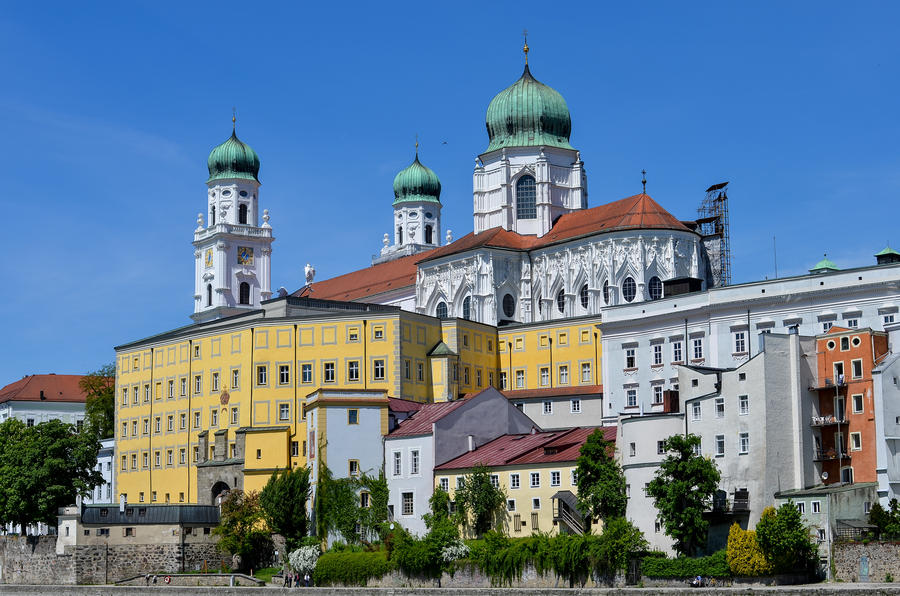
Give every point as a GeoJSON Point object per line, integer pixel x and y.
{"type": "Point", "coordinates": [775, 253]}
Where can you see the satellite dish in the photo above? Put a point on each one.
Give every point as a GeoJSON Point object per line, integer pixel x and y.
{"type": "Point", "coordinates": [824, 475]}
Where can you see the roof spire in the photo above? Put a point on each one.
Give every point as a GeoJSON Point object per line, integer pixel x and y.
{"type": "Point", "coordinates": [417, 145]}
{"type": "Point", "coordinates": [525, 48]}
{"type": "Point", "coordinates": [233, 118]}
{"type": "Point", "coordinates": [644, 181]}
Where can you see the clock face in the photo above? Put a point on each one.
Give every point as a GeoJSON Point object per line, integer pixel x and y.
{"type": "Point", "coordinates": [244, 255]}
{"type": "Point", "coordinates": [209, 258]}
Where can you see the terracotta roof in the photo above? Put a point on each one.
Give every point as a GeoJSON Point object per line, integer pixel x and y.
{"type": "Point", "coordinates": [59, 388]}
{"type": "Point", "coordinates": [554, 446]}
{"type": "Point", "coordinates": [377, 279]}
{"type": "Point", "coordinates": [420, 422]}
{"type": "Point", "coordinates": [403, 405]}
{"type": "Point", "coordinates": [552, 392]}
{"type": "Point", "coordinates": [494, 238]}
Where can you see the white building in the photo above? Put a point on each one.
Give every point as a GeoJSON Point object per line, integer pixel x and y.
{"type": "Point", "coordinates": [39, 398]}
{"type": "Point", "coordinates": [104, 493]}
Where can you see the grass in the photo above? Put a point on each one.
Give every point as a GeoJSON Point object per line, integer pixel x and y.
{"type": "Point", "coordinates": [266, 573]}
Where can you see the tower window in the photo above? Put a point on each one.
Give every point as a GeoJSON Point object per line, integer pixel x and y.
{"type": "Point", "coordinates": [629, 289]}
{"type": "Point", "coordinates": [245, 293]}
{"type": "Point", "coordinates": [606, 292]}
{"type": "Point", "coordinates": [399, 234]}
{"type": "Point", "coordinates": [656, 288]}
{"type": "Point", "coordinates": [212, 215]}
{"type": "Point", "coordinates": [427, 234]}
{"type": "Point", "coordinates": [561, 301]}
{"type": "Point", "coordinates": [583, 294]}
{"type": "Point", "coordinates": [525, 198]}
{"type": "Point", "coordinates": [242, 213]}
{"type": "Point", "coordinates": [441, 311]}
{"type": "Point", "coordinates": [509, 305]}
{"type": "Point", "coordinates": [467, 308]}
{"type": "Point", "coordinates": [208, 294]}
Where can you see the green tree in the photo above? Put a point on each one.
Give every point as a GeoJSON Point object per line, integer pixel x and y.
{"type": "Point", "coordinates": [784, 539]}
{"type": "Point", "coordinates": [744, 555]}
{"type": "Point", "coordinates": [242, 530]}
{"type": "Point", "coordinates": [681, 491]}
{"type": "Point", "coordinates": [337, 506]}
{"type": "Point", "coordinates": [619, 541]}
{"type": "Point", "coordinates": [887, 522]}
{"type": "Point", "coordinates": [99, 388]}
{"type": "Point", "coordinates": [479, 502]}
{"type": "Point", "coordinates": [373, 517]}
{"type": "Point", "coordinates": [600, 481]}
{"type": "Point", "coordinates": [283, 501]}
{"type": "Point", "coordinates": [43, 468]}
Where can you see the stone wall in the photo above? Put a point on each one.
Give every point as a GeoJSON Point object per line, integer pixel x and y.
{"type": "Point", "coordinates": [33, 560]}
{"type": "Point", "coordinates": [883, 558]}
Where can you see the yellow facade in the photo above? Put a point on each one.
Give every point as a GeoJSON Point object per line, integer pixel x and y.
{"type": "Point", "coordinates": [255, 372]}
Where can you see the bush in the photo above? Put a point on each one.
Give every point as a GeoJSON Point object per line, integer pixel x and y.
{"type": "Point", "coordinates": [350, 569]}
{"type": "Point", "coordinates": [745, 557]}
{"type": "Point", "coordinates": [715, 565]}
{"type": "Point", "coordinates": [785, 540]}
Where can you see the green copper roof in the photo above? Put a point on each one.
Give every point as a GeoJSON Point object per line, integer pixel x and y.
{"type": "Point", "coordinates": [233, 159]}
{"type": "Point", "coordinates": [417, 183]}
{"type": "Point", "coordinates": [823, 266]}
{"type": "Point", "coordinates": [441, 349]}
{"type": "Point", "coordinates": [528, 114]}
{"type": "Point", "coordinates": [887, 251]}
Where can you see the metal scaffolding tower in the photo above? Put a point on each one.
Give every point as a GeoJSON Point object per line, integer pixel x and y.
{"type": "Point", "coordinates": [713, 223]}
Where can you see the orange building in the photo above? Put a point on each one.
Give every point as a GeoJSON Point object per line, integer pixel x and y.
{"type": "Point", "coordinates": [844, 427]}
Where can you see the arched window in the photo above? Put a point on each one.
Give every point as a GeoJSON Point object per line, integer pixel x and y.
{"type": "Point", "coordinates": [526, 198]}
{"type": "Point", "coordinates": [399, 234]}
{"type": "Point", "coordinates": [509, 306]}
{"type": "Point", "coordinates": [208, 294]}
{"type": "Point", "coordinates": [583, 294]}
{"type": "Point", "coordinates": [441, 310]}
{"type": "Point", "coordinates": [561, 301]}
{"type": "Point", "coordinates": [606, 292]}
{"type": "Point", "coordinates": [245, 293]}
{"type": "Point", "coordinates": [629, 289]}
{"type": "Point", "coordinates": [212, 215]}
{"type": "Point", "coordinates": [467, 308]}
{"type": "Point", "coordinates": [427, 234]}
{"type": "Point", "coordinates": [242, 213]}
{"type": "Point", "coordinates": [656, 288]}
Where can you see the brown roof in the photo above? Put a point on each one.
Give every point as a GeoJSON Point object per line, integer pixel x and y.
{"type": "Point", "coordinates": [420, 422]}
{"type": "Point", "coordinates": [552, 392]}
{"type": "Point", "coordinates": [377, 279]}
{"type": "Point", "coordinates": [403, 405]}
{"type": "Point", "coordinates": [541, 447]}
{"type": "Point", "coordinates": [59, 388]}
{"type": "Point", "coordinates": [494, 238]}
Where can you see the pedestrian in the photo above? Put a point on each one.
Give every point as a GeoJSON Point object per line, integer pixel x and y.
{"type": "Point", "coordinates": [306, 579]}
{"type": "Point", "coordinates": [286, 578]}
{"type": "Point", "coordinates": [147, 579]}
{"type": "Point", "coordinates": [290, 579]}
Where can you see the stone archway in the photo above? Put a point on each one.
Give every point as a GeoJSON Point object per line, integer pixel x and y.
{"type": "Point", "coordinates": [219, 489]}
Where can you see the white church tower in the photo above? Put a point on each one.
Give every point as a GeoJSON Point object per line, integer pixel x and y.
{"type": "Point", "coordinates": [530, 174]}
{"type": "Point", "coordinates": [233, 252]}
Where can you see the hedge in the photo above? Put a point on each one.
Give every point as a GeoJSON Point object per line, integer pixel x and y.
{"type": "Point", "coordinates": [351, 569]}
{"type": "Point", "coordinates": [715, 565]}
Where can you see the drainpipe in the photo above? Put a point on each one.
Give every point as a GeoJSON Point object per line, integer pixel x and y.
{"type": "Point", "coordinates": [550, 343]}
{"type": "Point", "coordinates": [190, 415]}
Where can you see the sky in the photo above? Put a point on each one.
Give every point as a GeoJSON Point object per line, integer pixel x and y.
{"type": "Point", "coordinates": [109, 111]}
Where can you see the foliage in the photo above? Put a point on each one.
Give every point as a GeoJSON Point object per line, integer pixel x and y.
{"type": "Point", "coordinates": [242, 530]}
{"type": "Point", "coordinates": [786, 543]}
{"type": "Point", "coordinates": [715, 565]}
{"type": "Point", "coordinates": [283, 501]}
{"type": "Point", "coordinates": [888, 522]}
{"type": "Point", "coordinates": [43, 468]}
{"type": "Point", "coordinates": [681, 491]}
{"type": "Point", "coordinates": [745, 557]}
{"type": "Point", "coordinates": [304, 559]}
{"type": "Point", "coordinates": [266, 573]}
{"type": "Point", "coordinates": [373, 517]}
{"type": "Point", "coordinates": [479, 503]}
{"type": "Point", "coordinates": [99, 388]}
{"type": "Point", "coordinates": [338, 508]}
{"type": "Point", "coordinates": [438, 550]}
{"type": "Point", "coordinates": [454, 551]}
{"type": "Point", "coordinates": [610, 551]}
{"type": "Point", "coordinates": [600, 481]}
{"type": "Point", "coordinates": [351, 569]}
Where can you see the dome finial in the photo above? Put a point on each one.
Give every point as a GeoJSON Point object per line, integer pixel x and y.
{"type": "Point", "coordinates": [233, 118]}
{"type": "Point", "coordinates": [525, 48]}
{"type": "Point", "coordinates": [417, 145]}
{"type": "Point", "coordinates": [644, 181]}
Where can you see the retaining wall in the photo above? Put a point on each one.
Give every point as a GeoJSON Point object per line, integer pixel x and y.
{"type": "Point", "coordinates": [882, 559]}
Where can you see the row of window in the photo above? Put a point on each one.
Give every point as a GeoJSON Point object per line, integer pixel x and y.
{"type": "Point", "coordinates": [547, 406]}
{"type": "Point", "coordinates": [719, 406]}
{"type": "Point", "coordinates": [534, 479]}
{"type": "Point", "coordinates": [676, 350]}
{"type": "Point", "coordinates": [284, 414]}
{"type": "Point", "coordinates": [562, 376]}
{"type": "Point", "coordinates": [141, 499]}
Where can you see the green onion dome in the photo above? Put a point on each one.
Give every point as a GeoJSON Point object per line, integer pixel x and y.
{"type": "Point", "coordinates": [417, 183]}
{"type": "Point", "coordinates": [528, 114]}
{"type": "Point", "coordinates": [233, 159]}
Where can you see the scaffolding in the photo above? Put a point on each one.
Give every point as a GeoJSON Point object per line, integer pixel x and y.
{"type": "Point", "coordinates": [712, 221]}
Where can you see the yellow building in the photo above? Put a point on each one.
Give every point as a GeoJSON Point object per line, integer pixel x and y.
{"type": "Point", "coordinates": [536, 472]}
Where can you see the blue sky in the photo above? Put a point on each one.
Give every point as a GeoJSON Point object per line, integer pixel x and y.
{"type": "Point", "coordinates": [110, 109]}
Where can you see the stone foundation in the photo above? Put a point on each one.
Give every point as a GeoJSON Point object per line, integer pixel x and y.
{"type": "Point", "coordinates": [883, 559]}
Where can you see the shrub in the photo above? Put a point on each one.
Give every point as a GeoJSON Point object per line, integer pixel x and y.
{"type": "Point", "coordinates": [715, 565]}
{"type": "Point", "coordinates": [785, 540]}
{"type": "Point", "coordinates": [304, 559]}
{"type": "Point", "coordinates": [745, 557]}
{"type": "Point", "coordinates": [350, 569]}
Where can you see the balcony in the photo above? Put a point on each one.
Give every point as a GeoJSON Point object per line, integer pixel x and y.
{"type": "Point", "coordinates": [828, 420]}
{"type": "Point", "coordinates": [830, 384]}
{"type": "Point", "coordinates": [566, 514]}
{"type": "Point", "coordinates": [829, 455]}
{"type": "Point", "coordinates": [721, 505]}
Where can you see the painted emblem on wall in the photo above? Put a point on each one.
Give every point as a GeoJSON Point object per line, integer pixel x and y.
{"type": "Point", "coordinates": [224, 397]}
{"type": "Point", "coordinates": [244, 255]}
{"type": "Point", "coordinates": [209, 258]}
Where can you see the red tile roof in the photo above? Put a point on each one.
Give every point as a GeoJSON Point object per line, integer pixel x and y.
{"type": "Point", "coordinates": [58, 388]}
{"type": "Point", "coordinates": [494, 238]}
{"type": "Point", "coordinates": [377, 279]}
{"type": "Point", "coordinates": [541, 447]}
{"type": "Point", "coordinates": [403, 405]}
{"type": "Point", "coordinates": [552, 392]}
{"type": "Point", "coordinates": [420, 422]}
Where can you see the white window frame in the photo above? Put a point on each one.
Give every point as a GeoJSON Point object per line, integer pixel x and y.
{"type": "Point", "coordinates": [657, 354]}
{"type": "Point", "coordinates": [555, 478]}
{"type": "Point", "coordinates": [698, 348]}
{"type": "Point", "coordinates": [415, 462]}
{"type": "Point", "coordinates": [534, 480]}
{"type": "Point", "coordinates": [740, 342]}
{"type": "Point", "coordinates": [720, 445]}
{"type": "Point", "coordinates": [743, 443]}
{"type": "Point", "coordinates": [575, 406]}
{"type": "Point", "coordinates": [630, 358]}
{"type": "Point", "coordinates": [743, 405]}
{"type": "Point", "coordinates": [631, 398]}
{"type": "Point", "coordinates": [547, 407]}
{"type": "Point", "coordinates": [397, 458]}
{"type": "Point", "coordinates": [514, 481]}
{"type": "Point", "coordinates": [696, 412]}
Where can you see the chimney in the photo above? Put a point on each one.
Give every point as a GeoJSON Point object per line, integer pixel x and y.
{"type": "Point", "coordinates": [471, 443]}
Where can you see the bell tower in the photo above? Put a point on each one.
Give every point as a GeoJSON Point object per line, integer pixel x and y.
{"type": "Point", "coordinates": [232, 252]}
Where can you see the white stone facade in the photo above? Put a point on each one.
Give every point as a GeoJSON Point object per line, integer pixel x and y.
{"type": "Point", "coordinates": [232, 254]}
